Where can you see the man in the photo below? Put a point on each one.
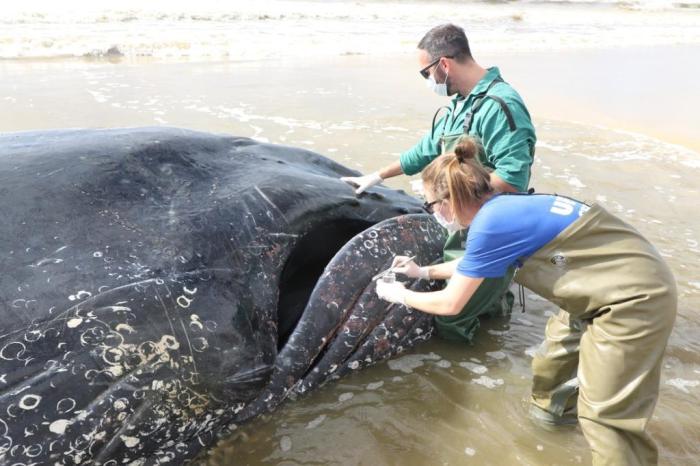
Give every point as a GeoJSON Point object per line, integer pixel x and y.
{"type": "Point", "coordinates": [485, 107]}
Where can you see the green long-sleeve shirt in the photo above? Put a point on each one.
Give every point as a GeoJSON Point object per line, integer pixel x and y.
{"type": "Point", "coordinates": [508, 153]}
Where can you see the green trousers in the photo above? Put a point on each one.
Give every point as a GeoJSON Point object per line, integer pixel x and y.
{"type": "Point", "coordinates": [492, 298]}
{"type": "Point", "coordinates": [602, 354]}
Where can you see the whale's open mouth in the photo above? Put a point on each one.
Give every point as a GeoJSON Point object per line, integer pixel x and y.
{"type": "Point", "coordinates": [305, 265]}
{"type": "Point", "coordinates": [330, 319]}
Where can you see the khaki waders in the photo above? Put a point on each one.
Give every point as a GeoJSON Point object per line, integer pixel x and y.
{"type": "Point", "coordinates": [618, 301]}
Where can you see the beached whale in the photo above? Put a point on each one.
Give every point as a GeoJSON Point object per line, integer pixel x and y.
{"type": "Point", "coordinates": [161, 286]}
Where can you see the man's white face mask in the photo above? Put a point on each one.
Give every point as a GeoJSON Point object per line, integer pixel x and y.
{"type": "Point", "coordinates": [451, 227]}
{"type": "Point", "coordinates": [439, 89]}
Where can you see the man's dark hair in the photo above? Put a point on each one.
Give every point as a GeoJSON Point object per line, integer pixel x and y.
{"type": "Point", "coordinates": [446, 40]}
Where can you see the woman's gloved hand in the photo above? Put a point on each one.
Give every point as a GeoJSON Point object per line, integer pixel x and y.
{"type": "Point", "coordinates": [363, 183]}
{"type": "Point", "coordinates": [410, 269]}
{"type": "Point", "coordinates": [394, 292]}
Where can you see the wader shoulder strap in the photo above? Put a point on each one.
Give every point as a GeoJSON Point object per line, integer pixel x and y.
{"type": "Point", "coordinates": [432, 126]}
{"type": "Point", "coordinates": [506, 110]}
{"type": "Point", "coordinates": [469, 117]}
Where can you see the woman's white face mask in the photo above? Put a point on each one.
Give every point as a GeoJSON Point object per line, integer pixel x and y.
{"type": "Point", "coordinates": [451, 227]}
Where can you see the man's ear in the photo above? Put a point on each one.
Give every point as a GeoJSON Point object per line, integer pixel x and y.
{"type": "Point", "coordinates": [445, 62]}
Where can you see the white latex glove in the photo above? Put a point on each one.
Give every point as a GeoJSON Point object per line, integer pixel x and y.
{"type": "Point", "coordinates": [410, 269]}
{"type": "Point", "coordinates": [363, 183]}
{"type": "Point", "coordinates": [393, 292]}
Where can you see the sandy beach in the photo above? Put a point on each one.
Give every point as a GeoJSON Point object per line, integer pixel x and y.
{"type": "Point", "coordinates": [616, 124]}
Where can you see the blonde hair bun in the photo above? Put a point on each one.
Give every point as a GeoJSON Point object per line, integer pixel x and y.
{"type": "Point", "coordinates": [466, 150]}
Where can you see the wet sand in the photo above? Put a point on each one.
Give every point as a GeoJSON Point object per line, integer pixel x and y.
{"type": "Point", "coordinates": [443, 403]}
{"type": "Point", "coordinates": [649, 90]}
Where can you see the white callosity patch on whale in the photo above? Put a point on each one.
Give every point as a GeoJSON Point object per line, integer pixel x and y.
{"type": "Point", "coordinates": [372, 245]}
{"type": "Point", "coordinates": [184, 301]}
{"type": "Point", "coordinates": [82, 294]}
{"type": "Point", "coordinates": [14, 351]}
{"type": "Point", "coordinates": [124, 328]}
{"type": "Point", "coordinates": [65, 405]}
{"type": "Point", "coordinates": [195, 322]}
{"type": "Point", "coordinates": [29, 401]}
{"type": "Point", "coordinates": [130, 442]}
{"type": "Point", "coordinates": [59, 426]}
{"type": "Point", "coordinates": [72, 323]}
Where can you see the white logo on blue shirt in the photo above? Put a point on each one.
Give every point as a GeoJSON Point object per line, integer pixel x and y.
{"type": "Point", "coordinates": [563, 206]}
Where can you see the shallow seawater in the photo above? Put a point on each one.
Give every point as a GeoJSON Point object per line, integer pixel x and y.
{"type": "Point", "coordinates": [446, 403]}
{"type": "Point", "coordinates": [440, 403]}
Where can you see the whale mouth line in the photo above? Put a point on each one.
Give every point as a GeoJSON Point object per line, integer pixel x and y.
{"type": "Point", "coordinates": [304, 266]}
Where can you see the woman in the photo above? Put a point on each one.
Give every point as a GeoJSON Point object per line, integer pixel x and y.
{"type": "Point", "coordinates": [617, 295]}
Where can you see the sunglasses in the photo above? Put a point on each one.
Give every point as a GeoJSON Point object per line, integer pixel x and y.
{"type": "Point", "coordinates": [430, 206]}
{"type": "Point", "coordinates": [425, 72]}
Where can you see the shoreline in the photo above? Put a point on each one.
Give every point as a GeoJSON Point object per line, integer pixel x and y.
{"type": "Point", "coordinates": [648, 90]}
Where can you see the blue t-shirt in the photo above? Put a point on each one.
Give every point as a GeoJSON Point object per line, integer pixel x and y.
{"type": "Point", "coordinates": [510, 228]}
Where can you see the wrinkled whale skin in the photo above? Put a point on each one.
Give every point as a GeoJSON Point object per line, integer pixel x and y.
{"type": "Point", "coordinates": [142, 272]}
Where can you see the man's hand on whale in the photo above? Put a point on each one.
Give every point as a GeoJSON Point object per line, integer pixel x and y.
{"type": "Point", "coordinates": [363, 183]}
